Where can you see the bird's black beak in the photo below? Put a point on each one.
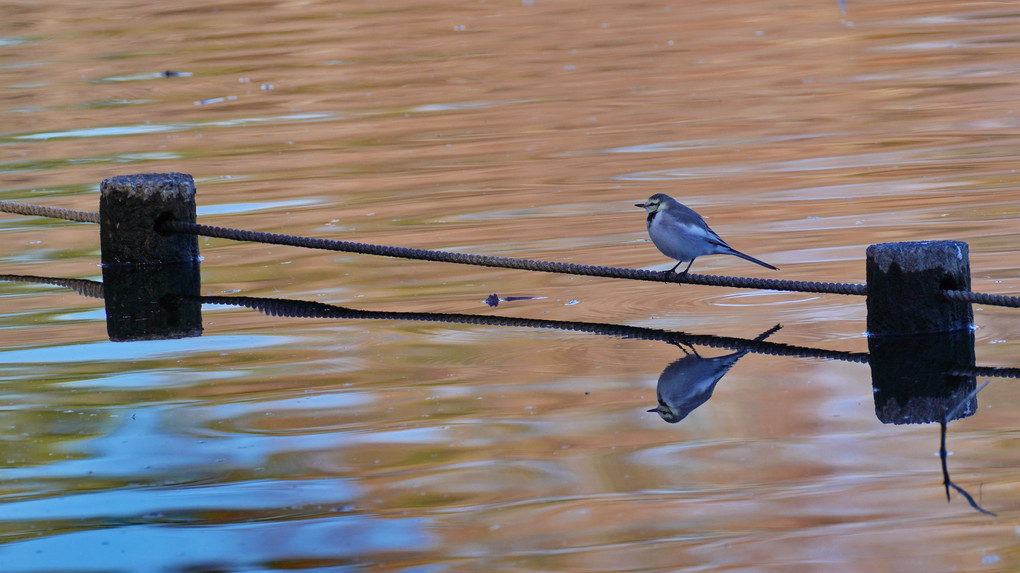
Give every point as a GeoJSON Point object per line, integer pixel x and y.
{"type": "Point", "coordinates": [642, 205]}
{"type": "Point", "coordinates": [654, 410]}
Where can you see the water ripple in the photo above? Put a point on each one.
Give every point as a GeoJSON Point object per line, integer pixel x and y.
{"type": "Point", "coordinates": [148, 128]}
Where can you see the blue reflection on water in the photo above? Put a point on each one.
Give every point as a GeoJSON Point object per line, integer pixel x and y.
{"type": "Point", "coordinates": [175, 548]}
{"type": "Point", "coordinates": [106, 351]}
{"type": "Point", "coordinates": [152, 502]}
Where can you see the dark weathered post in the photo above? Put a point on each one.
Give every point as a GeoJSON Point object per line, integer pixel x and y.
{"type": "Point", "coordinates": [130, 207]}
{"type": "Point", "coordinates": [905, 281]}
{"type": "Point", "coordinates": [150, 280]}
{"type": "Point", "coordinates": [920, 342]}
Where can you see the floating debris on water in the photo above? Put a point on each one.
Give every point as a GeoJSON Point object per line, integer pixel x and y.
{"type": "Point", "coordinates": [493, 299]}
{"type": "Point", "coordinates": [215, 100]}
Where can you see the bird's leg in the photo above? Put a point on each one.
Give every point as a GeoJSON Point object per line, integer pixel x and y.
{"type": "Point", "coordinates": [666, 275]}
{"type": "Point", "coordinates": [683, 274]}
{"type": "Point", "coordinates": [684, 348]}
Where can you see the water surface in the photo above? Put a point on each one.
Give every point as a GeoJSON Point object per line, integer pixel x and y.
{"type": "Point", "coordinates": [525, 129]}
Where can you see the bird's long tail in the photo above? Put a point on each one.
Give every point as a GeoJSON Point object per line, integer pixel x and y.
{"type": "Point", "coordinates": [752, 259]}
{"type": "Point", "coordinates": [760, 338]}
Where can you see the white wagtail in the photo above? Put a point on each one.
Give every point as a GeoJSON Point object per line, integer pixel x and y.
{"type": "Point", "coordinates": [681, 234]}
{"type": "Point", "coordinates": [689, 382]}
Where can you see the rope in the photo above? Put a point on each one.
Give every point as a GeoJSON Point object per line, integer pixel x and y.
{"type": "Point", "coordinates": [52, 212]}
{"type": "Point", "coordinates": [508, 262]}
{"type": "Point", "coordinates": [502, 262]}
{"type": "Point", "coordinates": [982, 298]}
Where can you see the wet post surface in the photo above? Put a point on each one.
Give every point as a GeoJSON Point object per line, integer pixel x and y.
{"type": "Point", "coordinates": [130, 207]}
{"type": "Point", "coordinates": [905, 281]}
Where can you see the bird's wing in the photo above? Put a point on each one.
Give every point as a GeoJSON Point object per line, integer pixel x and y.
{"type": "Point", "coordinates": [711, 235]}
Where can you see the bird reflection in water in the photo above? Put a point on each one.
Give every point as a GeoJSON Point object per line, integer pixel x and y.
{"type": "Point", "coordinates": [689, 382]}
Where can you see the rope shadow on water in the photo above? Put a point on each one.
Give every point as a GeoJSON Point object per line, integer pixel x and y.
{"type": "Point", "coordinates": [289, 308]}
{"type": "Point", "coordinates": [306, 309]}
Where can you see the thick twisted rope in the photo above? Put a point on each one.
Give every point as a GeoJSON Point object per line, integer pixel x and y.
{"type": "Point", "coordinates": [502, 262]}
{"type": "Point", "coordinates": [982, 298]}
{"type": "Point", "coordinates": [508, 262]}
{"type": "Point", "coordinates": [52, 212]}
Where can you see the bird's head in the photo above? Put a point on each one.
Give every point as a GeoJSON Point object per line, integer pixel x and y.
{"type": "Point", "coordinates": [654, 203]}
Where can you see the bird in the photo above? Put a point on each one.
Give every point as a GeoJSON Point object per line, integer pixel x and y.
{"type": "Point", "coordinates": [680, 233]}
{"type": "Point", "coordinates": [688, 382]}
